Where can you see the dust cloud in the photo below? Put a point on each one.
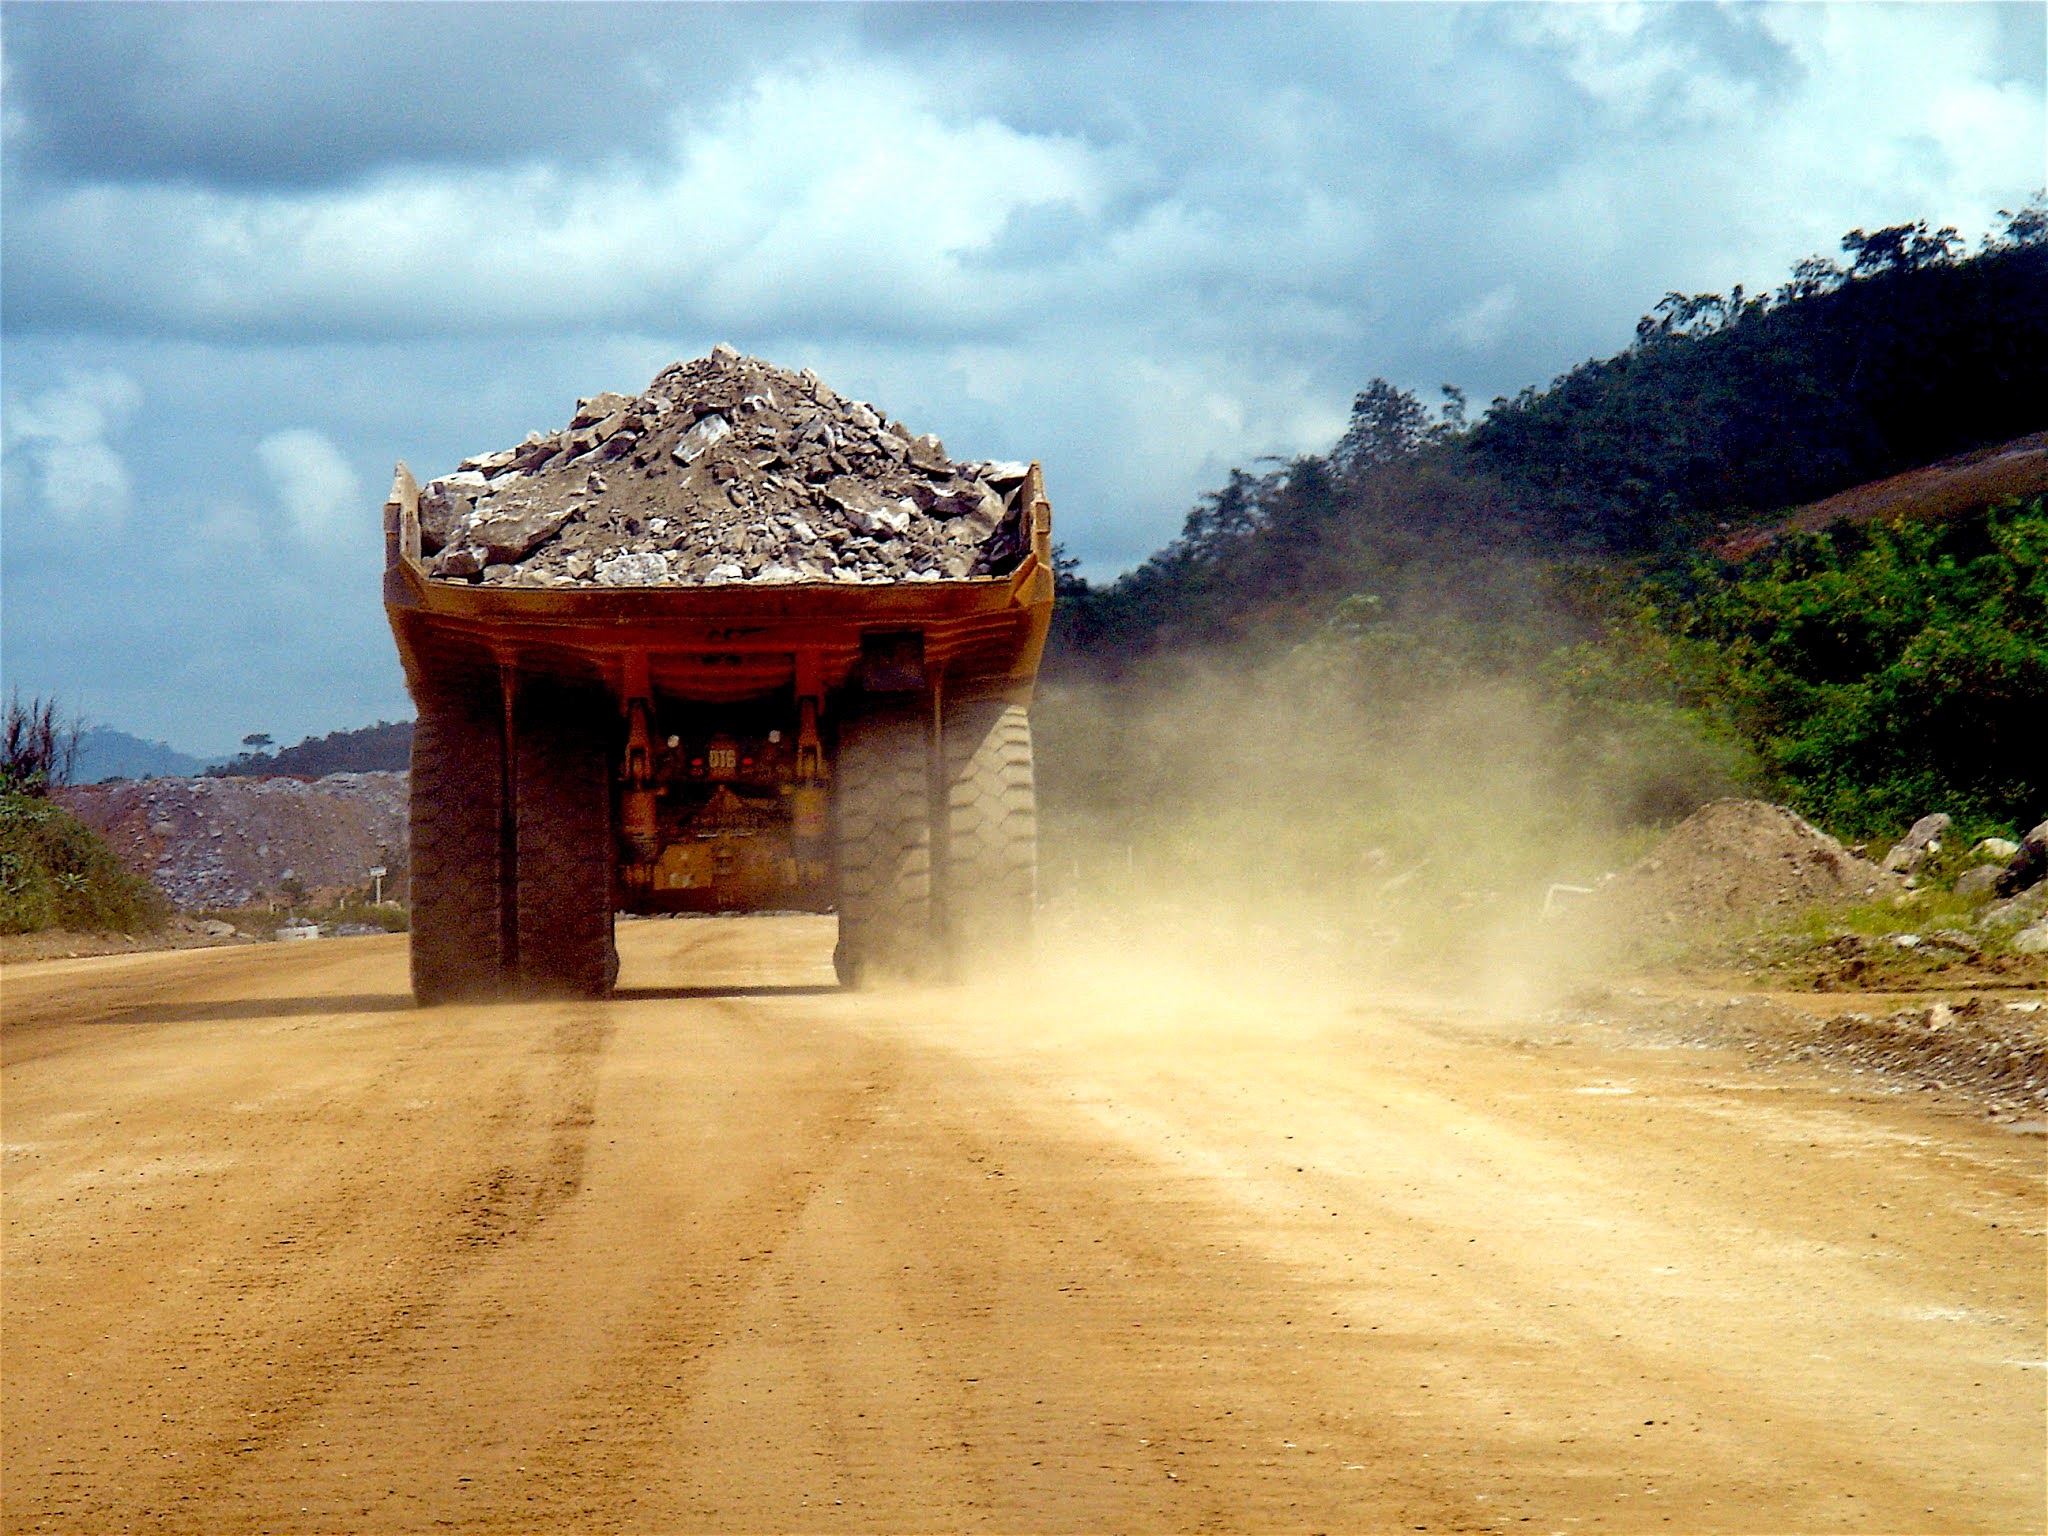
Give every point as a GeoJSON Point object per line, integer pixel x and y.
{"type": "Point", "coordinates": [1333, 815]}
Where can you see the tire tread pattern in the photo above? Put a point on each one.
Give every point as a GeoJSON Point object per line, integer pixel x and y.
{"type": "Point", "coordinates": [884, 836]}
{"type": "Point", "coordinates": [989, 876]}
{"type": "Point", "coordinates": [457, 885]}
{"type": "Point", "coordinates": [564, 839]}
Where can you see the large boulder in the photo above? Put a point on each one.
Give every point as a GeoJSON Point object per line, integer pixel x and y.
{"type": "Point", "coordinates": [2027, 867]}
{"type": "Point", "coordinates": [1921, 839]}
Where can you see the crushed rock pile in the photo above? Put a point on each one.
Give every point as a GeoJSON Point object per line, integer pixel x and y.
{"type": "Point", "coordinates": [1992, 1051]}
{"type": "Point", "coordinates": [228, 842]}
{"type": "Point", "coordinates": [725, 469]}
{"type": "Point", "coordinates": [1984, 1048]}
{"type": "Point", "coordinates": [1736, 862]}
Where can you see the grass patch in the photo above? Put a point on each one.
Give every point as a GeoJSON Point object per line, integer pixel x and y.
{"type": "Point", "coordinates": [55, 872]}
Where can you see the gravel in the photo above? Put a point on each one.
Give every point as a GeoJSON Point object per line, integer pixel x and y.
{"type": "Point", "coordinates": [725, 469]}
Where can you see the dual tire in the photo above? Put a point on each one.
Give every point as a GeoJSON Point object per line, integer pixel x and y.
{"type": "Point", "coordinates": [937, 843]}
{"type": "Point", "coordinates": [511, 841]}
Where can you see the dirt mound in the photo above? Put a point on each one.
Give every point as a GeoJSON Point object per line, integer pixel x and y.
{"type": "Point", "coordinates": [726, 469]}
{"type": "Point", "coordinates": [1736, 863]}
{"type": "Point", "coordinates": [227, 842]}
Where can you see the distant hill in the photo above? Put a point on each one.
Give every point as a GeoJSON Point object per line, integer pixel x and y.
{"type": "Point", "coordinates": [383, 747]}
{"type": "Point", "coordinates": [1729, 408]}
{"type": "Point", "coordinates": [1726, 413]}
{"type": "Point", "coordinates": [105, 753]}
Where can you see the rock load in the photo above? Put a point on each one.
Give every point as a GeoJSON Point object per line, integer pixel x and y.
{"type": "Point", "coordinates": [726, 469]}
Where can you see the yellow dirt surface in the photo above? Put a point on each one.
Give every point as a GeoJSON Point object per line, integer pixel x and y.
{"type": "Point", "coordinates": [738, 1251]}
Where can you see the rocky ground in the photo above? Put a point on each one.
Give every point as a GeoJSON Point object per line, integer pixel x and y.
{"type": "Point", "coordinates": [1985, 1047]}
{"type": "Point", "coordinates": [1760, 886]}
{"type": "Point", "coordinates": [725, 469]}
{"type": "Point", "coordinates": [1921, 970]}
{"type": "Point", "coordinates": [226, 842]}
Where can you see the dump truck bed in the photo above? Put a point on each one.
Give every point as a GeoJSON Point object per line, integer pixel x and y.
{"type": "Point", "coordinates": [739, 640]}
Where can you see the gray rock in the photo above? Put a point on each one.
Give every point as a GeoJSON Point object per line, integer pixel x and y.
{"type": "Point", "coordinates": [2026, 867]}
{"type": "Point", "coordinates": [445, 507]}
{"type": "Point", "coordinates": [723, 461]}
{"type": "Point", "coordinates": [640, 569]}
{"type": "Point", "coordinates": [1978, 882]}
{"type": "Point", "coordinates": [1922, 839]}
{"type": "Point", "coordinates": [598, 407]}
{"type": "Point", "coordinates": [708, 430]}
{"type": "Point", "coordinates": [855, 497]}
{"type": "Point", "coordinates": [488, 463]}
{"type": "Point", "coordinates": [462, 563]}
{"type": "Point", "coordinates": [2014, 911]}
{"type": "Point", "coordinates": [2032, 939]}
{"type": "Point", "coordinates": [510, 536]}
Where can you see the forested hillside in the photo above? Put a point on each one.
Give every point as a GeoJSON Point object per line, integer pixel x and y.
{"type": "Point", "coordinates": [1562, 541]}
{"type": "Point", "coordinates": [383, 747]}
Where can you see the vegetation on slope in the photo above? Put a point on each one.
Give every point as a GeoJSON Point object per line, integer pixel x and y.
{"type": "Point", "coordinates": [385, 747]}
{"type": "Point", "coordinates": [56, 873]}
{"type": "Point", "coordinates": [54, 870]}
{"type": "Point", "coordinates": [1884, 671]}
{"type": "Point", "coordinates": [1551, 549]}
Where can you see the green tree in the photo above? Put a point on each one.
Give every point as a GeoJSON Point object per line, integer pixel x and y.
{"type": "Point", "coordinates": [1883, 673]}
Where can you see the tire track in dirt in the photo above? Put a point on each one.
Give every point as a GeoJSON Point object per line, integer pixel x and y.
{"type": "Point", "coordinates": [736, 1250]}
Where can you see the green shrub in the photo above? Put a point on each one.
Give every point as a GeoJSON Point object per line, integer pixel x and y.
{"type": "Point", "coordinates": [56, 873]}
{"type": "Point", "coordinates": [1882, 673]}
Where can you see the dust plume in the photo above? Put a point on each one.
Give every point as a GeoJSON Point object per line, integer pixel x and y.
{"type": "Point", "coordinates": [1358, 804]}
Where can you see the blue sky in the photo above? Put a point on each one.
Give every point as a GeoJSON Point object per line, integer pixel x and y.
{"type": "Point", "coordinates": [254, 254]}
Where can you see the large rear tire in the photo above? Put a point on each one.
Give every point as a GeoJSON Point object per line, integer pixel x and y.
{"type": "Point", "coordinates": [988, 867]}
{"type": "Point", "coordinates": [457, 869]}
{"type": "Point", "coordinates": [884, 836]}
{"type": "Point", "coordinates": [561, 775]}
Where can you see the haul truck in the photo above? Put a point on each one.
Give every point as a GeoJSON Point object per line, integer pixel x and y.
{"type": "Point", "coordinates": [812, 746]}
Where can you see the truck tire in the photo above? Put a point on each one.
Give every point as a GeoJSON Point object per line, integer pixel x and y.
{"type": "Point", "coordinates": [988, 871]}
{"type": "Point", "coordinates": [884, 835]}
{"type": "Point", "coordinates": [457, 874]}
{"type": "Point", "coordinates": [564, 858]}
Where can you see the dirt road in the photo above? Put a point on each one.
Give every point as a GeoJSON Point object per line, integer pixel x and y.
{"type": "Point", "coordinates": [739, 1251]}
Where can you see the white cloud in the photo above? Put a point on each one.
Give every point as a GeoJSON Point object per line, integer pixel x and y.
{"type": "Point", "coordinates": [80, 479]}
{"type": "Point", "coordinates": [322, 499]}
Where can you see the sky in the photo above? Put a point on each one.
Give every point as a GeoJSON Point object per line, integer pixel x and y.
{"type": "Point", "coordinates": [251, 255]}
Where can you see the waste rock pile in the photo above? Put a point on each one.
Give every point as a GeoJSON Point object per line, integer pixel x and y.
{"type": "Point", "coordinates": [725, 469]}
{"type": "Point", "coordinates": [227, 842]}
{"type": "Point", "coordinates": [1736, 861]}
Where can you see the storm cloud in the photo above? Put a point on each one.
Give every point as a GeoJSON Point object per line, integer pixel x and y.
{"type": "Point", "coordinates": [1139, 243]}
